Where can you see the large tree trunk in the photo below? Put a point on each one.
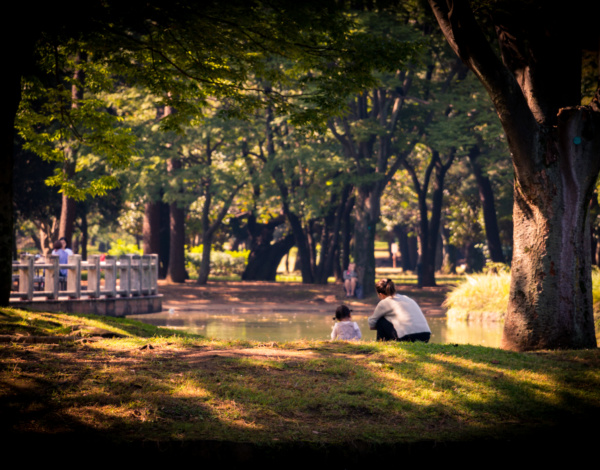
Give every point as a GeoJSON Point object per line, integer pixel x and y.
{"type": "Point", "coordinates": [18, 55]}
{"type": "Point", "coordinates": [407, 262]}
{"type": "Point", "coordinates": [176, 271]}
{"type": "Point", "coordinates": [84, 232]}
{"type": "Point", "coordinates": [330, 239]}
{"type": "Point", "coordinates": [265, 255]}
{"type": "Point", "coordinates": [555, 148]}
{"type": "Point", "coordinates": [368, 213]}
{"type": "Point", "coordinates": [67, 219]}
{"type": "Point", "coordinates": [550, 303]}
{"type": "Point", "coordinates": [151, 228]}
{"type": "Point", "coordinates": [156, 234]}
{"type": "Point", "coordinates": [205, 263]}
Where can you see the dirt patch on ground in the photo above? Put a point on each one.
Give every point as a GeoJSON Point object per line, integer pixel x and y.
{"type": "Point", "coordinates": [278, 294]}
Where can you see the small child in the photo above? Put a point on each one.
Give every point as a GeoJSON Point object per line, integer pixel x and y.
{"type": "Point", "coordinates": [344, 328]}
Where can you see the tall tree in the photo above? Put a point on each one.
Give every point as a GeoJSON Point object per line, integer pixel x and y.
{"type": "Point", "coordinates": [555, 146]}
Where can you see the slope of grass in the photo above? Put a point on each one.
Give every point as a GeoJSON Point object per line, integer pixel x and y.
{"type": "Point", "coordinates": [155, 385]}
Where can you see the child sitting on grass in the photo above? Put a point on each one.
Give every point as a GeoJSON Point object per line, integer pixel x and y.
{"type": "Point", "coordinates": [344, 328]}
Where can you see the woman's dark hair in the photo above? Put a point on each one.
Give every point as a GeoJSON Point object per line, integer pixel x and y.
{"type": "Point", "coordinates": [385, 287]}
{"type": "Point", "coordinates": [342, 312]}
{"type": "Point", "coordinates": [57, 245]}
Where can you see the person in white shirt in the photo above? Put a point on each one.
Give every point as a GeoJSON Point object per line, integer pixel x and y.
{"type": "Point", "coordinates": [344, 328]}
{"type": "Point", "coordinates": [397, 317]}
{"type": "Point", "coordinates": [63, 242]}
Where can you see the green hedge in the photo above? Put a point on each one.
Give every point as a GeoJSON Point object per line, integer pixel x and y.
{"type": "Point", "coordinates": [222, 263]}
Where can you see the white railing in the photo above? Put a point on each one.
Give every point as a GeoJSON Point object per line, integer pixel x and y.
{"type": "Point", "coordinates": [126, 276]}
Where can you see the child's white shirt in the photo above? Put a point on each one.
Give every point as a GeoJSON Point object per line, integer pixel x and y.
{"type": "Point", "coordinates": [346, 330]}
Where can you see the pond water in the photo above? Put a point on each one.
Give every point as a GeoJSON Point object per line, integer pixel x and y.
{"type": "Point", "coordinates": [290, 325]}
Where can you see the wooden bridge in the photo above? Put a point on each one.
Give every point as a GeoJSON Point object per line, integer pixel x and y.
{"type": "Point", "coordinates": [114, 286]}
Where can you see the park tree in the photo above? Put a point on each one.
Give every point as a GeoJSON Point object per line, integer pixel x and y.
{"type": "Point", "coordinates": [36, 202]}
{"type": "Point", "coordinates": [215, 175]}
{"type": "Point", "coordinates": [554, 140]}
{"type": "Point", "coordinates": [214, 45]}
{"type": "Point", "coordinates": [307, 174]}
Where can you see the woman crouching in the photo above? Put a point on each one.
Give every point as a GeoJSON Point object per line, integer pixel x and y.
{"type": "Point", "coordinates": [397, 317]}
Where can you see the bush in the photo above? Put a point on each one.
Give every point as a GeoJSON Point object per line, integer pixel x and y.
{"type": "Point", "coordinates": [222, 263]}
{"type": "Point", "coordinates": [485, 297]}
{"type": "Point", "coordinates": [123, 248]}
{"type": "Point", "coordinates": [479, 297]}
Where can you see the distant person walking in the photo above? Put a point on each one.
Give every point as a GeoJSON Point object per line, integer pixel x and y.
{"type": "Point", "coordinates": [397, 317]}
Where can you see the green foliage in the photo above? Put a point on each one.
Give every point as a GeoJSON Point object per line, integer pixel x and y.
{"type": "Point", "coordinates": [495, 268]}
{"type": "Point", "coordinates": [222, 263]}
{"type": "Point", "coordinates": [123, 248]}
{"type": "Point", "coordinates": [82, 133]}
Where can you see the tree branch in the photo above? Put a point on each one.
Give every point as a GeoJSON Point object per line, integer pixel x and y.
{"type": "Point", "coordinates": [464, 35]}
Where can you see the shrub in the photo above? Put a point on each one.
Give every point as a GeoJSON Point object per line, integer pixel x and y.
{"type": "Point", "coordinates": [123, 248]}
{"type": "Point", "coordinates": [222, 263]}
{"type": "Point", "coordinates": [479, 297]}
{"type": "Point", "coordinates": [485, 297]}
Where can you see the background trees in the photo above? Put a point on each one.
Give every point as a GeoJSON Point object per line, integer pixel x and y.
{"type": "Point", "coordinates": [316, 107]}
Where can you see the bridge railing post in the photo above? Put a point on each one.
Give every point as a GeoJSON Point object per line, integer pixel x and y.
{"type": "Point", "coordinates": [124, 276]}
{"type": "Point", "coordinates": [73, 276]}
{"type": "Point", "coordinates": [26, 277]}
{"type": "Point", "coordinates": [130, 275]}
{"type": "Point", "coordinates": [51, 278]}
{"type": "Point", "coordinates": [153, 274]}
{"type": "Point", "coordinates": [136, 275]}
{"type": "Point", "coordinates": [110, 276]}
{"type": "Point", "coordinates": [93, 276]}
{"type": "Point", "coordinates": [145, 271]}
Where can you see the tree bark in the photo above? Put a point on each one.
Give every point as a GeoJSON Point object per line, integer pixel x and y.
{"type": "Point", "coordinates": [176, 271]}
{"type": "Point", "coordinates": [429, 225]}
{"type": "Point", "coordinates": [550, 304]}
{"type": "Point", "coordinates": [68, 208]}
{"type": "Point", "coordinates": [84, 232]}
{"type": "Point", "coordinates": [330, 239]}
{"type": "Point", "coordinates": [488, 205]}
{"type": "Point", "coordinates": [67, 219]}
{"type": "Point", "coordinates": [19, 56]}
{"type": "Point", "coordinates": [367, 215]}
{"type": "Point", "coordinates": [265, 255]}
{"type": "Point", "coordinates": [151, 228]}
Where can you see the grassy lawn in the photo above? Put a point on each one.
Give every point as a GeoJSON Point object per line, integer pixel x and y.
{"type": "Point", "coordinates": [129, 382]}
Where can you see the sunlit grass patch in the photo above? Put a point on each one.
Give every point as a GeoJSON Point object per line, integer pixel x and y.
{"type": "Point", "coordinates": [188, 387]}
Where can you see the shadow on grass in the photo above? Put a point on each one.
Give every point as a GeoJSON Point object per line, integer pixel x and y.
{"type": "Point", "coordinates": [363, 402]}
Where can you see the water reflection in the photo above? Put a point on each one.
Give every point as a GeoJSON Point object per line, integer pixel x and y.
{"type": "Point", "coordinates": [291, 325]}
